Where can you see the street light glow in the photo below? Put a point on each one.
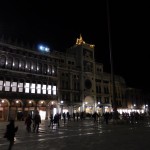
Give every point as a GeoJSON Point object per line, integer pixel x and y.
{"type": "Point", "coordinates": [43, 48]}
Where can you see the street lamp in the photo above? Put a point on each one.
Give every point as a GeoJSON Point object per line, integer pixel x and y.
{"type": "Point", "coordinates": [146, 108]}
{"type": "Point", "coordinates": [61, 102]}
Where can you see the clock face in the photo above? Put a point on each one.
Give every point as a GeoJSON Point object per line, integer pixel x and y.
{"type": "Point", "coordinates": [88, 84]}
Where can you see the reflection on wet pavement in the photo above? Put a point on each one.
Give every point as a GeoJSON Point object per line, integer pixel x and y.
{"type": "Point", "coordinates": [81, 135]}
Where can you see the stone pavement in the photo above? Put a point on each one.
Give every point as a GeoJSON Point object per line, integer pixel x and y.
{"type": "Point", "coordinates": [82, 135]}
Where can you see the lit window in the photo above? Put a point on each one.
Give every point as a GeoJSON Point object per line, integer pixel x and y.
{"type": "Point", "coordinates": [20, 87]}
{"type": "Point", "coordinates": [54, 90]}
{"type": "Point", "coordinates": [14, 86]}
{"type": "Point", "coordinates": [27, 87]}
{"type": "Point", "coordinates": [44, 89]}
{"type": "Point", "coordinates": [7, 86]}
{"type": "Point", "coordinates": [49, 89]}
{"type": "Point", "coordinates": [38, 88]}
{"type": "Point", "coordinates": [1, 85]}
{"type": "Point", "coordinates": [33, 88]}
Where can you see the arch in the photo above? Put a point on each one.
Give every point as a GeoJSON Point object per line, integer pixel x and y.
{"type": "Point", "coordinates": [89, 104]}
{"type": "Point", "coordinates": [4, 102]}
{"type": "Point", "coordinates": [41, 103]}
{"type": "Point", "coordinates": [17, 103]}
{"type": "Point", "coordinates": [52, 103]}
{"type": "Point", "coordinates": [89, 100]}
{"type": "Point", "coordinates": [30, 103]}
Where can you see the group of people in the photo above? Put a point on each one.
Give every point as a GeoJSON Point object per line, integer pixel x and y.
{"type": "Point", "coordinates": [35, 122]}
{"type": "Point", "coordinates": [11, 129]}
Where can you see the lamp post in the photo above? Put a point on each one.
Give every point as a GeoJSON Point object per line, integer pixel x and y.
{"type": "Point", "coordinates": [114, 104]}
{"type": "Point", "coordinates": [146, 108]}
{"type": "Point", "coordinates": [61, 102]}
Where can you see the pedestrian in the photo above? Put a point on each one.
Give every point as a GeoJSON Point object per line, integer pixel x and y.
{"type": "Point", "coordinates": [64, 117]}
{"type": "Point", "coordinates": [68, 116]}
{"type": "Point", "coordinates": [10, 133]}
{"type": "Point", "coordinates": [28, 123]}
{"type": "Point", "coordinates": [74, 116]}
{"type": "Point", "coordinates": [77, 114]}
{"type": "Point", "coordinates": [56, 119]}
{"type": "Point", "coordinates": [51, 121]}
{"type": "Point", "coordinates": [37, 121]}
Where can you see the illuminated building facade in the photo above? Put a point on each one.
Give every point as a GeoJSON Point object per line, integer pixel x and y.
{"type": "Point", "coordinates": [52, 82]}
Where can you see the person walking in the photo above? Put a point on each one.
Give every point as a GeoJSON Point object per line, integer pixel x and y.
{"type": "Point", "coordinates": [51, 121]}
{"type": "Point", "coordinates": [28, 123]}
{"type": "Point", "coordinates": [10, 133]}
{"type": "Point", "coordinates": [74, 116]}
{"type": "Point", "coordinates": [37, 121]}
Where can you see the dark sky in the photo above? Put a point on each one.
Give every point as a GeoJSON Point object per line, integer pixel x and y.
{"type": "Point", "coordinates": [59, 24]}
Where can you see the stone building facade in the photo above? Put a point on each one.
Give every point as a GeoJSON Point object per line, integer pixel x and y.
{"type": "Point", "coordinates": [55, 82]}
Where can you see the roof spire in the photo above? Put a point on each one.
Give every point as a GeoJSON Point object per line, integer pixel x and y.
{"type": "Point", "coordinates": [80, 41]}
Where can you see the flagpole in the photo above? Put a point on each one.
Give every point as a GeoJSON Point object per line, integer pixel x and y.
{"type": "Point", "coordinates": [113, 98]}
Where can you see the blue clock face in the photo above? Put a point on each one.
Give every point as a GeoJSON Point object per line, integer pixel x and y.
{"type": "Point", "coordinates": [88, 84]}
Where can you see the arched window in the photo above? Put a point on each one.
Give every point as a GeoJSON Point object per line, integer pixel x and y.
{"type": "Point", "coordinates": [15, 64]}
{"type": "Point", "coordinates": [22, 65]}
{"type": "Point", "coordinates": [39, 68]}
{"type": "Point", "coordinates": [28, 66]}
{"type": "Point", "coordinates": [33, 67]}
{"type": "Point", "coordinates": [54, 71]}
{"type": "Point", "coordinates": [49, 70]}
{"type": "Point", "coordinates": [2, 61]}
{"type": "Point", "coordinates": [45, 69]}
{"type": "Point", "coordinates": [9, 62]}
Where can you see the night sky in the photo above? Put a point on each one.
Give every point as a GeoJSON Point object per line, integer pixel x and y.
{"type": "Point", "coordinates": [58, 24]}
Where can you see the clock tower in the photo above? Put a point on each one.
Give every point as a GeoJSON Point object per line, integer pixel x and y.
{"type": "Point", "coordinates": [84, 53]}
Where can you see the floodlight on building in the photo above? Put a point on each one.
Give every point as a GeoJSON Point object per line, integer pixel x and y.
{"type": "Point", "coordinates": [43, 48]}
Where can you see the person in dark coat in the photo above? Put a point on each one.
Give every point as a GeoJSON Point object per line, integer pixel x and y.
{"type": "Point", "coordinates": [37, 121]}
{"type": "Point", "coordinates": [10, 133]}
{"type": "Point", "coordinates": [28, 123]}
{"type": "Point", "coordinates": [51, 121]}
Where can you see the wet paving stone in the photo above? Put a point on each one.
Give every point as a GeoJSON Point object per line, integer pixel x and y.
{"type": "Point", "coordinates": [82, 135]}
